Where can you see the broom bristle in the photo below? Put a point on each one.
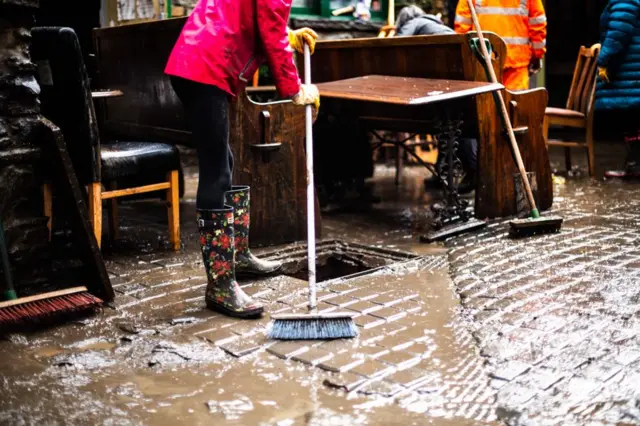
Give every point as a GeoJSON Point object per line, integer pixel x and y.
{"type": "Point", "coordinates": [531, 226]}
{"type": "Point", "coordinates": [313, 329]}
{"type": "Point", "coordinates": [47, 311]}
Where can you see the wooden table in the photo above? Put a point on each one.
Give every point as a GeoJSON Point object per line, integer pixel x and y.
{"type": "Point", "coordinates": [414, 105]}
{"type": "Point", "coordinates": [403, 90]}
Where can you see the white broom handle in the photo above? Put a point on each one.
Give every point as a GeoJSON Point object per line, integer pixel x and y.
{"type": "Point", "coordinates": [311, 217]}
{"type": "Point", "coordinates": [503, 108]}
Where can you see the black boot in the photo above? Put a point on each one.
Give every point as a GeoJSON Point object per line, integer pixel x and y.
{"type": "Point", "coordinates": [217, 243]}
{"type": "Point", "coordinates": [247, 265]}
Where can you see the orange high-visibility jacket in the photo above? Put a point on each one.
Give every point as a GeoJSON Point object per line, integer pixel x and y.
{"type": "Point", "coordinates": [522, 24]}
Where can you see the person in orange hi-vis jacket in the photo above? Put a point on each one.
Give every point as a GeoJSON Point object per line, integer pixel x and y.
{"type": "Point", "coordinates": [522, 24]}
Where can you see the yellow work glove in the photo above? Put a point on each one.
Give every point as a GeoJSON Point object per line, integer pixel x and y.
{"type": "Point", "coordinates": [604, 76]}
{"type": "Point", "coordinates": [308, 95]}
{"type": "Point", "coordinates": [298, 38]}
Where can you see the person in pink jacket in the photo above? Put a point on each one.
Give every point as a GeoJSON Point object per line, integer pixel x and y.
{"type": "Point", "coordinates": [221, 46]}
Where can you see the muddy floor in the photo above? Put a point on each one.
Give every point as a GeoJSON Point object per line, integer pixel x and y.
{"type": "Point", "coordinates": [475, 331]}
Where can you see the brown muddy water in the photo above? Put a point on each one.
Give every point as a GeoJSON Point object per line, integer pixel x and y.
{"type": "Point", "coordinates": [160, 358]}
{"type": "Point", "coordinates": [97, 373]}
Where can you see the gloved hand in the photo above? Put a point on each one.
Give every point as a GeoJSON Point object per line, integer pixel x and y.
{"type": "Point", "coordinates": [603, 74]}
{"type": "Point", "coordinates": [308, 95]}
{"type": "Point", "coordinates": [535, 65]}
{"type": "Point", "coordinates": [298, 38]}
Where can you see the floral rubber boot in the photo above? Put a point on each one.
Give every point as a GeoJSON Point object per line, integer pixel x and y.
{"type": "Point", "coordinates": [246, 263]}
{"type": "Point", "coordinates": [218, 250]}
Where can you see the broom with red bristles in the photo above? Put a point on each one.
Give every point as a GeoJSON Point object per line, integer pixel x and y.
{"type": "Point", "coordinates": [40, 310]}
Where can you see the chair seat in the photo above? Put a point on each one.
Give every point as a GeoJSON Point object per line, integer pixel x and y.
{"type": "Point", "coordinates": [125, 159]}
{"type": "Point", "coordinates": [563, 113]}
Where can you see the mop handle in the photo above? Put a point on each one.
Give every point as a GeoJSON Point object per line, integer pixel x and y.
{"type": "Point", "coordinates": [311, 217]}
{"type": "Point", "coordinates": [503, 108]}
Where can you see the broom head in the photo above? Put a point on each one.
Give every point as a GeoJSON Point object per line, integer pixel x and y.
{"type": "Point", "coordinates": [334, 325]}
{"type": "Point", "coordinates": [535, 226]}
{"type": "Point", "coordinates": [47, 309]}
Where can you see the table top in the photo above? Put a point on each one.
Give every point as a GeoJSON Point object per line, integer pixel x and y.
{"type": "Point", "coordinates": [102, 94]}
{"type": "Point", "coordinates": [403, 90]}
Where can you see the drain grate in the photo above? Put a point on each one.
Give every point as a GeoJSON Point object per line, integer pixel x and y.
{"type": "Point", "coordinates": [337, 259]}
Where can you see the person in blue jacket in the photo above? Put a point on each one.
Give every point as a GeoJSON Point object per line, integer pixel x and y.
{"type": "Point", "coordinates": [618, 85]}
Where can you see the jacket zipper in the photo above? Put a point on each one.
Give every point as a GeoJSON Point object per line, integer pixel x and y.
{"type": "Point", "coordinates": [241, 75]}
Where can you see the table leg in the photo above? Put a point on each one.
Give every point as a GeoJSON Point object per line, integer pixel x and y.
{"type": "Point", "coordinates": [450, 172]}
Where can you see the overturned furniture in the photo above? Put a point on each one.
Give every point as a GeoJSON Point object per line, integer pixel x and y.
{"type": "Point", "coordinates": [267, 140]}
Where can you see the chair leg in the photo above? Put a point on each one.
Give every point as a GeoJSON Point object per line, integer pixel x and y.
{"type": "Point", "coordinates": [399, 164]}
{"type": "Point", "coordinates": [173, 209]}
{"type": "Point", "coordinates": [113, 214]}
{"type": "Point", "coordinates": [47, 195]}
{"type": "Point", "coordinates": [567, 159]}
{"type": "Point", "coordinates": [590, 153]}
{"type": "Point", "coordinates": [95, 209]}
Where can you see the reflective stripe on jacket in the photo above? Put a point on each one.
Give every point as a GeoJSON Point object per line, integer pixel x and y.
{"type": "Point", "coordinates": [224, 42]}
{"type": "Point", "coordinates": [521, 23]}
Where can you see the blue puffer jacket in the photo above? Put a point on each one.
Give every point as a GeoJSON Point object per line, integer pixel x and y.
{"type": "Point", "coordinates": [620, 54]}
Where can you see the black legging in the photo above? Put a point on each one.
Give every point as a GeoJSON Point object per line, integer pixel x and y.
{"type": "Point", "coordinates": [207, 110]}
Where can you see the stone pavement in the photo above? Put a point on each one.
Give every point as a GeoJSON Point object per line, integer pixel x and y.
{"type": "Point", "coordinates": [481, 330]}
{"type": "Point", "coordinates": [558, 317]}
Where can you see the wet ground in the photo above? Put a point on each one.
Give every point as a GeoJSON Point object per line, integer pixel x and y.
{"type": "Point", "coordinates": [480, 330]}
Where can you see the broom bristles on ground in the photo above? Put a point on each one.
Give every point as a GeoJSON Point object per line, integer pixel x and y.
{"type": "Point", "coordinates": [313, 329]}
{"type": "Point", "coordinates": [47, 311]}
{"type": "Point", "coordinates": [530, 226]}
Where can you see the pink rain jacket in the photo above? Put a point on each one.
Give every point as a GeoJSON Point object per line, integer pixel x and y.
{"type": "Point", "coordinates": [224, 42]}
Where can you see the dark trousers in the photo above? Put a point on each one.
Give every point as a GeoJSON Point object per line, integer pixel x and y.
{"type": "Point", "coordinates": [207, 111]}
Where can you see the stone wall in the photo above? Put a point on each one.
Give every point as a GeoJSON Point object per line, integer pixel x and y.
{"type": "Point", "coordinates": [20, 200]}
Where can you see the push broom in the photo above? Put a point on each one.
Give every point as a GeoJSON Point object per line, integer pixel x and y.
{"type": "Point", "coordinates": [313, 325]}
{"type": "Point", "coordinates": [534, 224]}
{"type": "Point", "coordinates": [40, 310]}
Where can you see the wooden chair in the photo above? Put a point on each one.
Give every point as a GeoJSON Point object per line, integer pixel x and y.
{"type": "Point", "coordinates": [579, 111]}
{"type": "Point", "coordinates": [66, 100]}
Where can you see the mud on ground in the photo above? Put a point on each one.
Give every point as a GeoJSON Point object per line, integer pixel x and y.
{"type": "Point", "coordinates": [481, 330]}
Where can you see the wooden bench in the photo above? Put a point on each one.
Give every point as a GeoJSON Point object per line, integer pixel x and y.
{"type": "Point", "coordinates": [132, 58]}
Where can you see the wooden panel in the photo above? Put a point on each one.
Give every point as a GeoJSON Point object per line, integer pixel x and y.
{"type": "Point", "coordinates": [132, 58]}
{"type": "Point", "coordinates": [277, 178]}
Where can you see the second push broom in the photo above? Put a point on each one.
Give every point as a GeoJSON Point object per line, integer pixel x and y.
{"type": "Point", "coordinates": [534, 224]}
{"type": "Point", "coordinates": [313, 325]}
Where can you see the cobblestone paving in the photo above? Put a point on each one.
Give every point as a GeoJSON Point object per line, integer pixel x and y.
{"type": "Point", "coordinates": [398, 355]}
{"type": "Point", "coordinates": [558, 317]}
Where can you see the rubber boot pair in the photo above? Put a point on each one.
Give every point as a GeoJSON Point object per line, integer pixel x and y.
{"type": "Point", "coordinates": [224, 240]}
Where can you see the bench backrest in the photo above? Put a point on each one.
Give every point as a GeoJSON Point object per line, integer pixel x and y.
{"type": "Point", "coordinates": [132, 58]}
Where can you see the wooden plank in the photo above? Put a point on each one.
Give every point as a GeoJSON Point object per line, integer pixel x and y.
{"type": "Point", "coordinates": [137, 190]}
{"type": "Point", "coordinates": [173, 209]}
{"type": "Point", "coordinates": [97, 277]}
{"type": "Point", "coordinates": [43, 296]}
{"type": "Point", "coordinates": [95, 210]}
{"type": "Point", "coordinates": [554, 142]}
{"type": "Point", "coordinates": [102, 94]}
